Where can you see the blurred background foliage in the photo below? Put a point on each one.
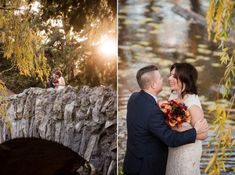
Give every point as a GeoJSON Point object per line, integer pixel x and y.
{"type": "Point", "coordinates": [37, 37]}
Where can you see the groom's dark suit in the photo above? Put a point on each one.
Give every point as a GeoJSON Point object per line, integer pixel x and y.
{"type": "Point", "coordinates": [149, 137]}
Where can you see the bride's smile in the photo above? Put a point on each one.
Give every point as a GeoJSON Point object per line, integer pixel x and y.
{"type": "Point", "coordinates": [175, 84]}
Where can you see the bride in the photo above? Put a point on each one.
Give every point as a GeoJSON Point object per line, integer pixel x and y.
{"type": "Point", "coordinates": [185, 160]}
{"type": "Point", "coordinates": [59, 81]}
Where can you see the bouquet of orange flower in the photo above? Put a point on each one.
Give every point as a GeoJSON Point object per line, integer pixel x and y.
{"type": "Point", "coordinates": [176, 113]}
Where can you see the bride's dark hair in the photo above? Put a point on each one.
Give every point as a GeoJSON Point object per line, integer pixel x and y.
{"type": "Point", "coordinates": [188, 75]}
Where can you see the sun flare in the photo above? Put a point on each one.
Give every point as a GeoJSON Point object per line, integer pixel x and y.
{"type": "Point", "coordinates": [107, 47]}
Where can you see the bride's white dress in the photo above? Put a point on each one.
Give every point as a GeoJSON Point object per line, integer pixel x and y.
{"type": "Point", "coordinates": [61, 84]}
{"type": "Point", "coordinates": [185, 160]}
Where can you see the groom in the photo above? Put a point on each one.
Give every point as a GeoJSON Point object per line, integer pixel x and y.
{"type": "Point", "coordinates": [148, 134]}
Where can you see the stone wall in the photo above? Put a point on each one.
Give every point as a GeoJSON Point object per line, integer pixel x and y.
{"type": "Point", "coordinates": [83, 120]}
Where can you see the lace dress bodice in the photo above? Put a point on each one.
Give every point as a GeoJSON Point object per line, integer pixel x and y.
{"type": "Point", "coordinates": [192, 99]}
{"type": "Point", "coordinates": [185, 160]}
{"type": "Point", "coordinates": [61, 84]}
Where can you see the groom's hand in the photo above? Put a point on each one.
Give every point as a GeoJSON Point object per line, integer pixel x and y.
{"type": "Point", "coordinates": [201, 126]}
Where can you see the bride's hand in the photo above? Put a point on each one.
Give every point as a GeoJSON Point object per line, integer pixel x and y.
{"type": "Point", "coordinates": [201, 126]}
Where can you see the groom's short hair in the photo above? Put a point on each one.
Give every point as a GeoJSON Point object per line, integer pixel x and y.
{"type": "Point", "coordinates": [141, 81]}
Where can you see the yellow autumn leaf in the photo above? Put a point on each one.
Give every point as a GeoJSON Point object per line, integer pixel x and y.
{"type": "Point", "coordinates": [212, 161]}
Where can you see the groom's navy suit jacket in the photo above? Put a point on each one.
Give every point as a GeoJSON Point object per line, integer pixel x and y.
{"type": "Point", "coordinates": [149, 137]}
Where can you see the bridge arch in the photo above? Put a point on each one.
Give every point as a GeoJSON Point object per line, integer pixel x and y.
{"type": "Point", "coordinates": [82, 119]}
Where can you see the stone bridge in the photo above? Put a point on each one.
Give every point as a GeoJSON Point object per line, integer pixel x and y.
{"type": "Point", "coordinates": [82, 119]}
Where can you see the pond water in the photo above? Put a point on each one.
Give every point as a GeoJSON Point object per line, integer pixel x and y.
{"type": "Point", "coordinates": [151, 33]}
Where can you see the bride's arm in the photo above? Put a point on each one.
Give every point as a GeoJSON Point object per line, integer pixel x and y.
{"type": "Point", "coordinates": [61, 81]}
{"type": "Point", "coordinates": [196, 115]}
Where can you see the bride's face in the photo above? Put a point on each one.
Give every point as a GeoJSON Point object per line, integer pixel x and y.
{"type": "Point", "coordinates": [175, 83]}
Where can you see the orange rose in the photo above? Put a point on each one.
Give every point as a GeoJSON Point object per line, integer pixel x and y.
{"type": "Point", "coordinates": [168, 107]}
{"type": "Point", "coordinates": [172, 123]}
{"type": "Point", "coordinates": [179, 119]}
{"type": "Point", "coordinates": [187, 113]}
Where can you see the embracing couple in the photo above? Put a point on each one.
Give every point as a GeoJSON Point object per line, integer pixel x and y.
{"type": "Point", "coordinates": [153, 147]}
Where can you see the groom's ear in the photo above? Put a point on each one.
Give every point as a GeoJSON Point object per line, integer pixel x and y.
{"type": "Point", "coordinates": [153, 85]}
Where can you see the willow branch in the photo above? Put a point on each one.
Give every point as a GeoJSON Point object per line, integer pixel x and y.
{"type": "Point", "coordinates": [231, 104]}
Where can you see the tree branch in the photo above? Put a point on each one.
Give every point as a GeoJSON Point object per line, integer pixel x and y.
{"type": "Point", "coordinates": [188, 14]}
{"type": "Point", "coordinates": [12, 8]}
{"type": "Point", "coordinates": [7, 70]}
